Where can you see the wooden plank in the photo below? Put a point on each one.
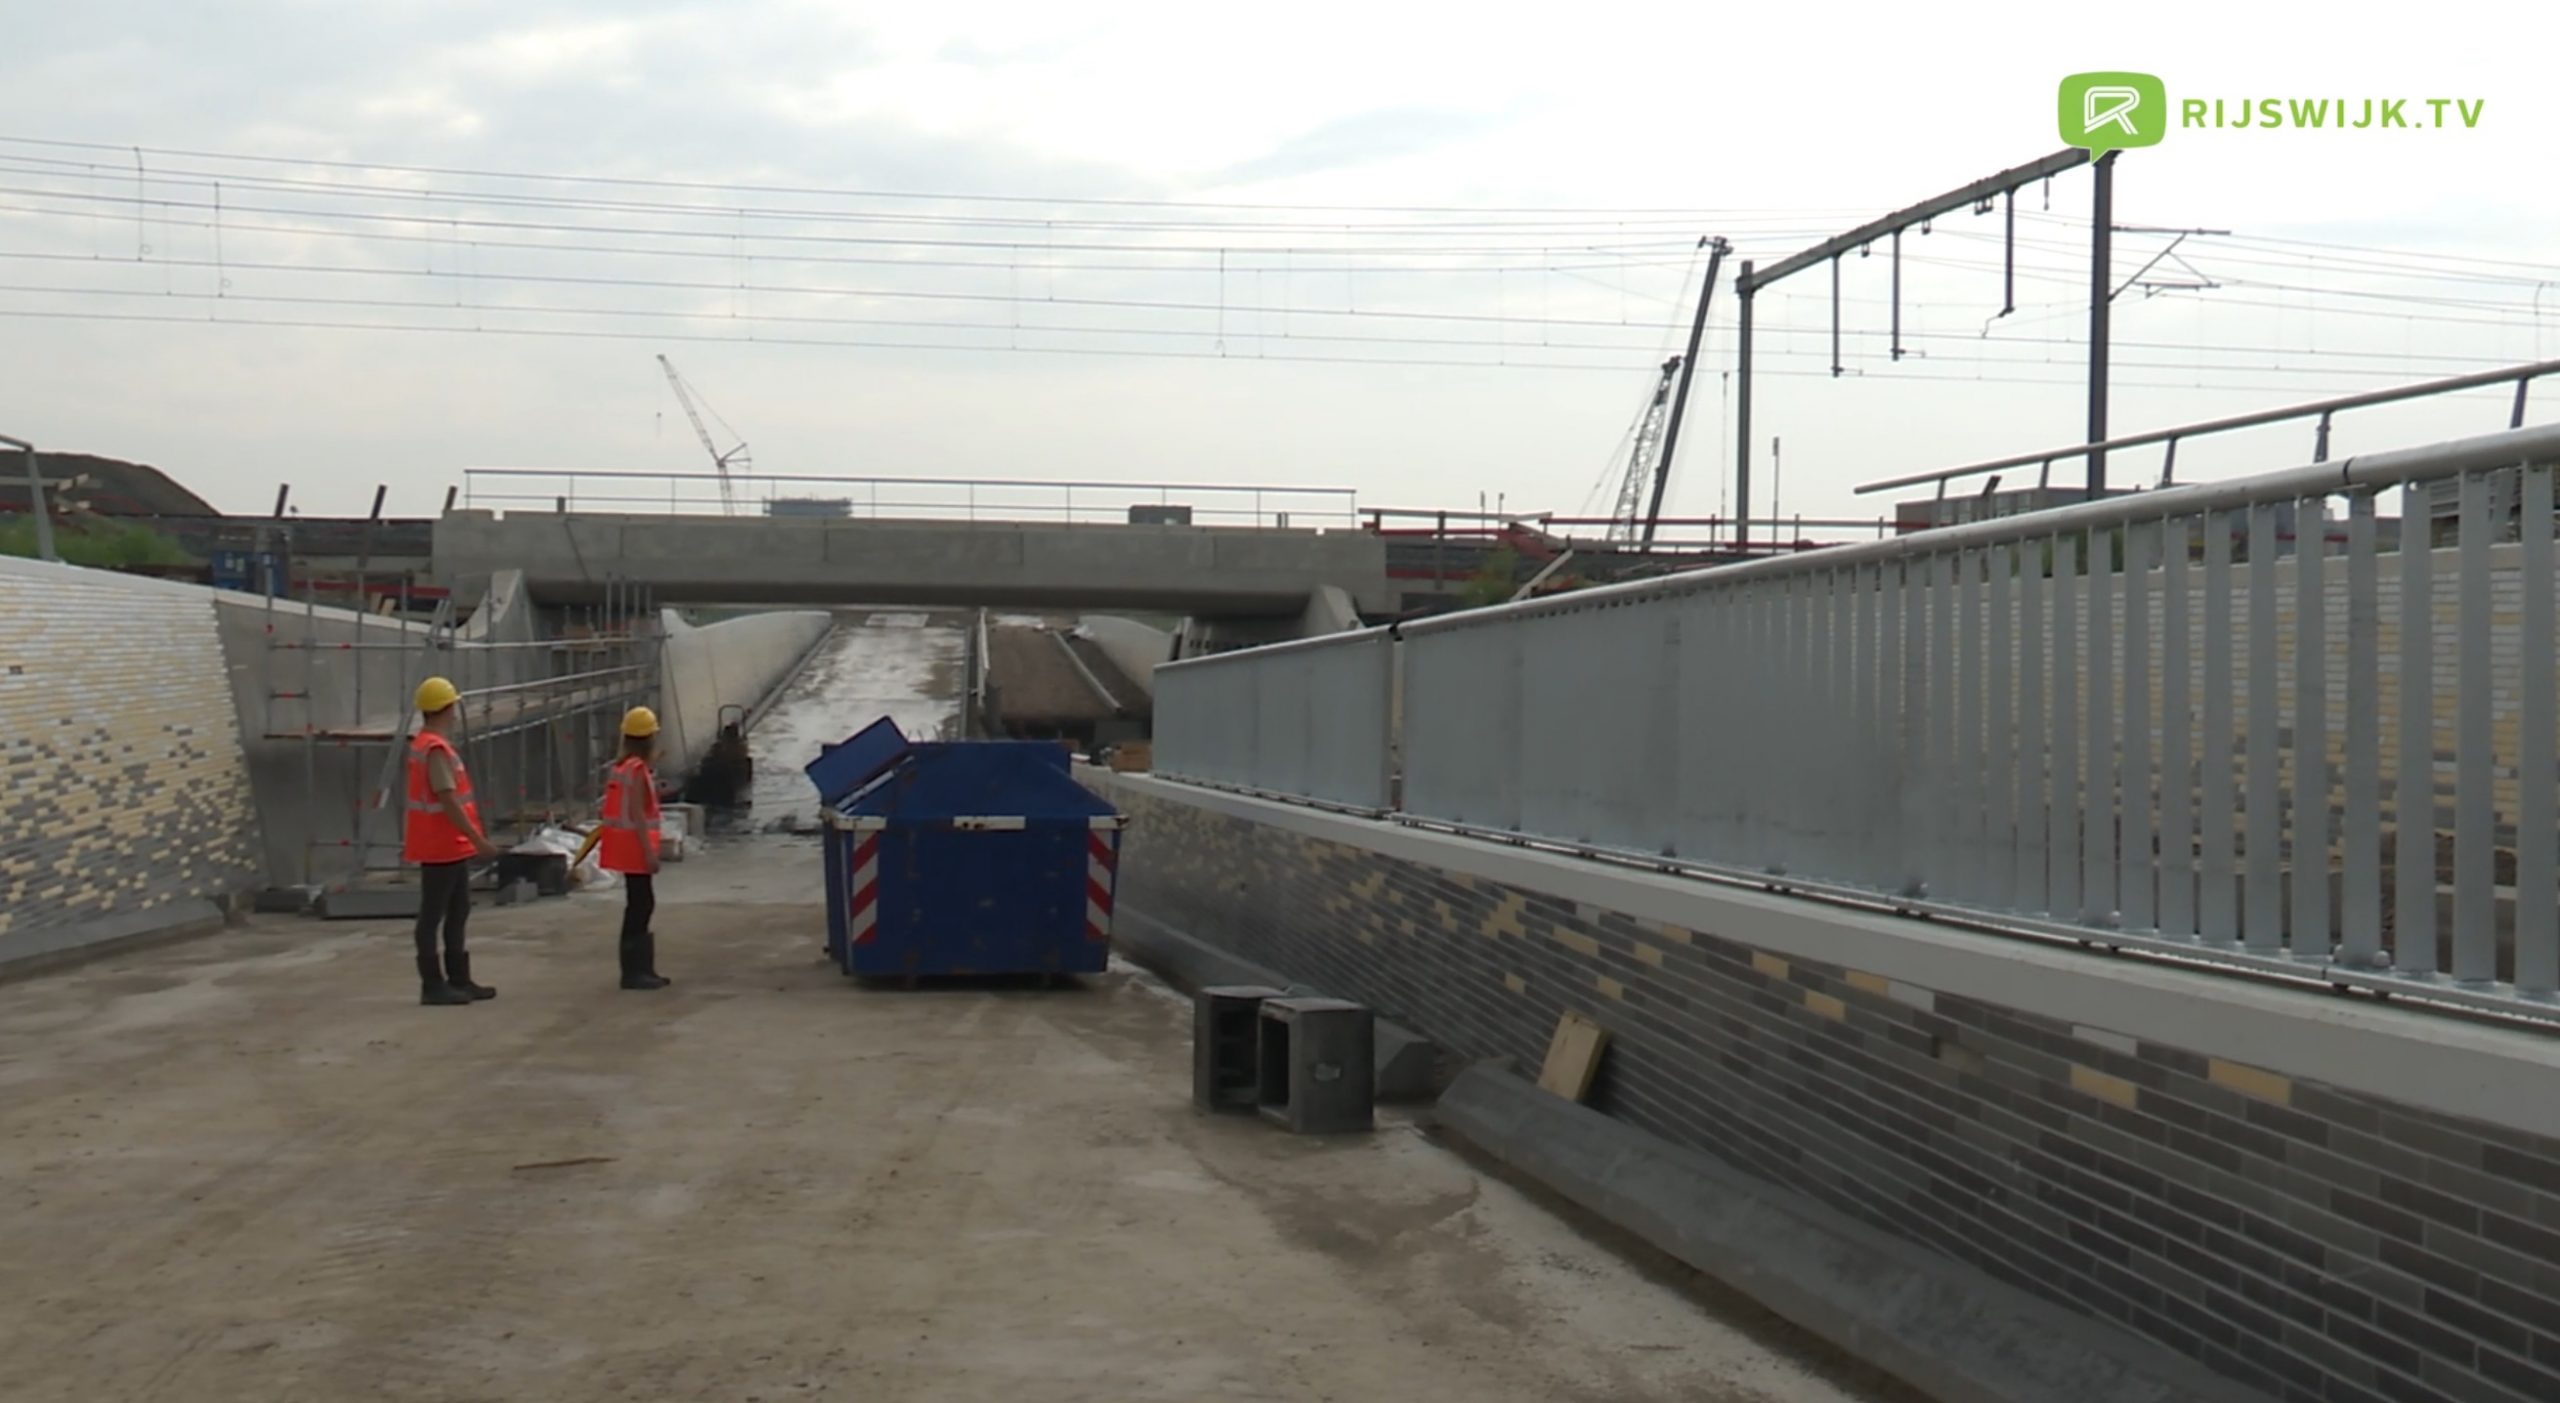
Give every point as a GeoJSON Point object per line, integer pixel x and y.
{"type": "Point", "coordinates": [1573, 1057]}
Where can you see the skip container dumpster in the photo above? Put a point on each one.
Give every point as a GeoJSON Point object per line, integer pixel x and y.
{"type": "Point", "coordinates": [964, 857]}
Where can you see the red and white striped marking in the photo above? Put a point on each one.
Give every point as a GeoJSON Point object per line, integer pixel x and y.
{"type": "Point", "coordinates": [1101, 871]}
{"type": "Point", "coordinates": [862, 918]}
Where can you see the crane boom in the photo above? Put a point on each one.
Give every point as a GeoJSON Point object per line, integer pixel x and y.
{"type": "Point", "coordinates": [685, 396]}
{"type": "Point", "coordinates": [1627, 522]}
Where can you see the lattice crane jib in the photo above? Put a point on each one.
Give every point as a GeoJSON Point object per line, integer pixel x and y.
{"type": "Point", "coordinates": [1644, 450]}
{"type": "Point", "coordinates": [694, 408]}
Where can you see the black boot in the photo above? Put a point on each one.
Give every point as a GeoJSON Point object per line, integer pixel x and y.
{"type": "Point", "coordinates": [649, 958]}
{"type": "Point", "coordinates": [635, 964]}
{"type": "Point", "coordinates": [457, 972]}
{"type": "Point", "coordinates": [432, 990]}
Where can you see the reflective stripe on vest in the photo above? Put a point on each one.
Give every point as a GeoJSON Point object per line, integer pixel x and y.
{"type": "Point", "coordinates": [626, 845]}
{"type": "Point", "coordinates": [429, 835]}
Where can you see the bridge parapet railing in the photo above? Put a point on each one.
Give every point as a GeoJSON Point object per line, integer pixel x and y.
{"type": "Point", "coordinates": [1309, 720]}
{"type": "Point", "coordinates": [2155, 722]}
{"type": "Point", "coordinates": [1269, 506]}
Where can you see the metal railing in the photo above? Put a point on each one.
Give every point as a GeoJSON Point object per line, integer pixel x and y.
{"type": "Point", "coordinates": [2325, 410]}
{"type": "Point", "coordinates": [1307, 720]}
{"type": "Point", "coordinates": [1266, 505]}
{"type": "Point", "coordinates": [2118, 723]}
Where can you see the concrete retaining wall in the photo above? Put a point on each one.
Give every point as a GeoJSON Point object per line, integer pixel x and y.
{"type": "Point", "coordinates": [731, 663]}
{"type": "Point", "coordinates": [2314, 1197]}
{"type": "Point", "coordinates": [124, 803]}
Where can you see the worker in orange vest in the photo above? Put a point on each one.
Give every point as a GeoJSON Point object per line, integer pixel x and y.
{"type": "Point", "coordinates": [441, 836]}
{"type": "Point", "coordinates": [630, 846]}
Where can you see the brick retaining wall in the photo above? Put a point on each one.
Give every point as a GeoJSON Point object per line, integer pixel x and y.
{"type": "Point", "coordinates": [2311, 1241]}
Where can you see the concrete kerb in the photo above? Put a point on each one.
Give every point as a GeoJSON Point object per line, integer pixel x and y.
{"type": "Point", "coordinates": [1406, 1063]}
{"type": "Point", "coordinates": [1944, 1328]}
{"type": "Point", "coordinates": [57, 947]}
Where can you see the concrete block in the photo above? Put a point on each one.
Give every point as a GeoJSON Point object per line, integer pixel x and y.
{"type": "Point", "coordinates": [1317, 1066]}
{"type": "Point", "coordinates": [1939, 1325]}
{"type": "Point", "coordinates": [514, 893]}
{"type": "Point", "coordinates": [368, 904]}
{"type": "Point", "coordinates": [1225, 1032]}
{"type": "Point", "coordinates": [1408, 1065]}
{"type": "Point", "coordinates": [282, 901]}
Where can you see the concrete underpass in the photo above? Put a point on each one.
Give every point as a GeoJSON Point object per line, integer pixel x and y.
{"type": "Point", "coordinates": [247, 1166]}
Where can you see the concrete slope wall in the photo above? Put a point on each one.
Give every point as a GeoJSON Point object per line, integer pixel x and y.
{"type": "Point", "coordinates": [293, 667]}
{"type": "Point", "coordinates": [1132, 647]}
{"type": "Point", "coordinates": [2314, 1197]}
{"type": "Point", "coordinates": [124, 803]}
{"type": "Point", "coordinates": [731, 663]}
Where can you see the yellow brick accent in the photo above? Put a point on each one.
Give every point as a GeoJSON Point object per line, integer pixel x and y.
{"type": "Point", "coordinates": [2249, 1081]}
{"type": "Point", "coordinates": [1825, 1005]}
{"type": "Point", "coordinates": [1646, 954]}
{"type": "Point", "coordinates": [1515, 984]}
{"type": "Point", "coordinates": [1769, 965]}
{"type": "Point", "coordinates": [1875, 984]}
{"type": "Point", "coordinates": [2091, 1081]}
{"type": "Point", "coordinates": [1578, 943]}
{"type": "Point", "coordinates": [1677, 935]}
{"type": "Point", "coordinates": [1504, 919]}
{"type": "Point", "coordinates": [1612, 988]}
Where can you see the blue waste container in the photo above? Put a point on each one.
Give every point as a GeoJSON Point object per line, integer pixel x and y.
{"type": "Point", "coordinates": [963, 858]}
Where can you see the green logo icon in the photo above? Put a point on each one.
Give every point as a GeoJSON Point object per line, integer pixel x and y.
{"type": "Point", "coordinates": [2103, 112]}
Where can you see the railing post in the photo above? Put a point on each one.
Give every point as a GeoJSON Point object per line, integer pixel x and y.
{"type": "Point", "coordinates": [2537, 843]}
{"type": "Point", "coordinates": [2413, 784]}
{"type": "Point", "coordinates": [2475, 935]}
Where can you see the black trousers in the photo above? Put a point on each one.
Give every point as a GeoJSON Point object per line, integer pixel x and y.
{"type": "Point", "coordinates": [639, 907]}
{"type": "Point", "coordinates": [444, 906]}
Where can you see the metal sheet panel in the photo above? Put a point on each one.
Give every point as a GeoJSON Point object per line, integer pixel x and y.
{"type": "Point", "coordinates": [1309, 721]}
{"type": "Point", "coordinates": [1462, 726]}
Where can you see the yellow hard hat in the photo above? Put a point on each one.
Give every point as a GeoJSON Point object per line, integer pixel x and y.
{"type": "Point", "coordinates": [435, 694]}
{"type": "Point", "coordinates": [639, 721]}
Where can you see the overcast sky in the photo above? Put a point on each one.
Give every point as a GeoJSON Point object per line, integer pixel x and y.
{"type": "Point", "coordinates": [1768, 125]}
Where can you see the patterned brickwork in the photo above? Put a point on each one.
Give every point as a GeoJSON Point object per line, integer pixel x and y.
{"type": "Point", "coordinates": [2321, 1246]}
{"type": "Point", "coordinates": [122, 784]}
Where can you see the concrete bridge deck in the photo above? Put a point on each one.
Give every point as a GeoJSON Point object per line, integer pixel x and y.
{"type": "Point", "coordinates": [250, 1168]}
{"type": "Point", "coordinates": [750, 560]}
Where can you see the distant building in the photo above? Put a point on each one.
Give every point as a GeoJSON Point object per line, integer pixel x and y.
{"type": "Point", "coordinates": [1930, 513]}
{"type": "Point", "coordinates": [823, 507]}
{"type": "Point", "coordinates": [2506, 503]}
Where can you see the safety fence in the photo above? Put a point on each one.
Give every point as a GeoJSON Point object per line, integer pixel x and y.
{"type": "Point", "coordinates": [2155, 722]}
{"type": "Point", "coordinates": [835, 497]}
{"type": "Point", "coordinates": [1308, 720]}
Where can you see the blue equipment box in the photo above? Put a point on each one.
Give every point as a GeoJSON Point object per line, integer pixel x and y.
{"type": "Point", "coordinates": [963, 858]}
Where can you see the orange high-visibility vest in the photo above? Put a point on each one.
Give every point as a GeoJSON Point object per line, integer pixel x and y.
{"type": "Point", "coordinates": [629, 846]}
{"type": "Point", "coordinates": [430, 836]}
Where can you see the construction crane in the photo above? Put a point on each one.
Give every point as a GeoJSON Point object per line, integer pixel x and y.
{"type": "Point", "coordinates": [1657, 431]}
{"type": "Point", "coordinates": [1627, 522]}
{"type": "Point", "coordinates": [687, 396]}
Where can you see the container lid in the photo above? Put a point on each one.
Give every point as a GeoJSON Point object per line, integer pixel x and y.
{"type": "Point", "coordinates": [843, 768]}
{"type": "Point", "coordinates": [935, 781]}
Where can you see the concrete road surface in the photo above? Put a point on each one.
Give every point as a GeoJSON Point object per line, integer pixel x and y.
{"type": "Point", "coordinates": [249, 1167]}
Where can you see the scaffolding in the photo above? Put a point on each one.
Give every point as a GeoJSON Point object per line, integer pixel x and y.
{"type": "Point", "coordinates": [539, 722]}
